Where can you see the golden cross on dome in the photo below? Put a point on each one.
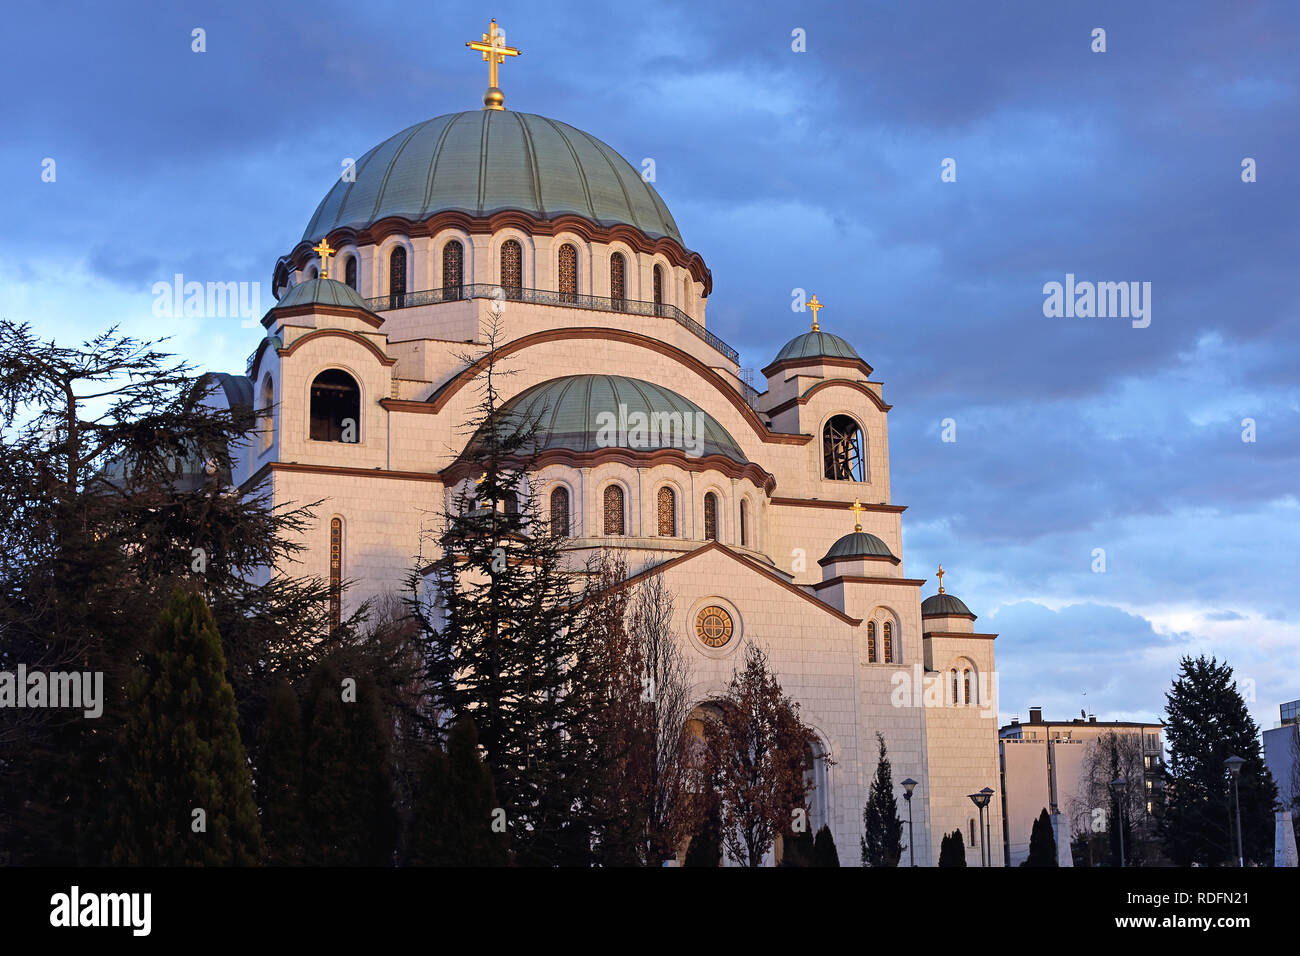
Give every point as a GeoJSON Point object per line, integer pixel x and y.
{"type": "Point", "coordinates": [494, 50]}
{"type": "Point", "coordinates": [815, 305]}
{"type": "Point", "coordinates": [481, 478]}
{"type": "Point", "coordinates": [324, 251]}
{"type": "Point", "coordinates": [941, 579]}
{"type": "Point", "coordinates": [857, 510]}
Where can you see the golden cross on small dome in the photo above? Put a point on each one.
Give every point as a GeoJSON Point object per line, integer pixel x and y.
{"type": "Point", "coordinates": [494, 50]}
{"type": "Point", "coordinates": [941, 579]}
{"type": "Point", "coordinates": [857, 510]}
{"type": "Point", "coordinates": [324, 251]}
{"type": "Point", "coordinates": [481, 478]}
{"type": "Point", "coordinates": [815, 305]}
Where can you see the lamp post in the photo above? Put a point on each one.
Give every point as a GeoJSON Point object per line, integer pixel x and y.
{"type": "Point", "coordinates": [1234, 764]}
{"type": "Point", "coordinates": [981, 801]}
{"type": "Point", "coordinates": [988, 821]}
{"type": "Point", "coordinates": [908, 786]}
{"type": "Point", "coordinates": [1116, 787]}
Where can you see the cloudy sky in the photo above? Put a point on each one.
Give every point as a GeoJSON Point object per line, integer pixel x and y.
{"type": "Point", "coordinates": [818, 170]}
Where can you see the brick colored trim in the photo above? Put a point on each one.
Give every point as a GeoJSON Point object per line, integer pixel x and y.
{"type": "Point", "coordinates": [836, 505]}
{"type": "Point", "coordinates": [957, 634]}
{"type": "Point", "coordinates": [818, 360]}
{"type": "Point", "coordinates": [827, 383]}
{"type": "Point", "coordinates": [859, 579]}
{"type": "Point", "coordinates": [341, 333]}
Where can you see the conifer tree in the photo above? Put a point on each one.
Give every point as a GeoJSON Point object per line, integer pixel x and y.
{"type": "Point", "coordinates": [431, 828]}
{"type": "Point", "coordinates": [882, 830]}
{"type": "Point", "coordinates": [279, 763]}
{"type": "Point", "coordinates": [474, 802]}
{"type": "Point", "coordinates": [1208, 722]}
{"type": "Point", "coordinates": [1042, 842]}
{"type": "Point", "coordinates": [187, 796]}
{"type": "Point", "coordinates": [797, 848]}
{"type": "Point", "coordinates": [706, 845]}
{"type": "Point", "coordinates": [952, 849]}
{"type": "Point", "coordinates": [824, 852]}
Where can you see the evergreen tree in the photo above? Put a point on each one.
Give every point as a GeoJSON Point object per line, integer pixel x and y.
{"type": "Point", "coordinates": [431, 831]}
{"type": "Point", "coordinates": [952, 849]}
{"type": "Point", "coordinates": [797, 848]}
{"type": "Point", "coordinates": [347, 783]}
{"type": "Point", "coordinates": [279, 778]}
{"type": "Point", "coordinates": [824, 852]}
{"type": "Point", "coordinates": [706, 845]}
{"type": "Point", "coordinates": [1207, 723]}
{"type": "Point", "coordinates": [474, 802]}
{"type": "Point", "coordinates": [882, 829]}
{"type": "Point", "coordinates": [1042, 842]}
{"type": "Point", "coordinates": [181, 753]}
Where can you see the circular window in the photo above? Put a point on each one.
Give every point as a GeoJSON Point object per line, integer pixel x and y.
{"type": "Point", "coordinates": [713, 626]}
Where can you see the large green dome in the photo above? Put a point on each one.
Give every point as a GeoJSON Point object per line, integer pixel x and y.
{"type": "Point", "coordinates": [570, 413]}
{"type": "Point", "coordinates": [485, 161]}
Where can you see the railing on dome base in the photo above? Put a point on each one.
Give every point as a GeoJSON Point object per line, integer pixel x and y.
{"type": "Point", "coordinates": [571, 300]}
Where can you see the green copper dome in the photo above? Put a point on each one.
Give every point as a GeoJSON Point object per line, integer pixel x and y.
{"type": "Point", "coordinates": [816, 345]}
{"type": "Point", "coordinates": [945, 605]}
{"type": "Point", "coordinates": [481, 162]}
{"type": "Point", "coordinates": [858, 544]}
{"type": "Point", "coordinates": [585, 413]}
{"type": "Point", "coordinates": [322, 292]}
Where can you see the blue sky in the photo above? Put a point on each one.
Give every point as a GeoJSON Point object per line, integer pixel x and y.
{"type": "Point", "coordinates": [818, 170]}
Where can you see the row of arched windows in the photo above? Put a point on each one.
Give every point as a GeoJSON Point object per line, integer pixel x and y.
{"type": "Point", "coordinates": [882, 652]}
{"type": "Point", "coordinates": [614, 513]}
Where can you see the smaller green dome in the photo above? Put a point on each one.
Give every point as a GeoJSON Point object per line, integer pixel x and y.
{"type": "Point", "coordinates": [816, 345]}
{"type": "Point", "coordinates": [858, 544]}
{"type": "Point", "coordinates": [945, 605]}
{"type": "Point", "coordinates": [322, 292]}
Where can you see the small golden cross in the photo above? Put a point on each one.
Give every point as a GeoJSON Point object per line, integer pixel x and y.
{"type": "Point", "coordinates": [941, 579]}
{"type": "Point", "coordinates": [857, 510]}
{"type": "Point", "coordinates": [494, 50]}
{"type": "Point", "coordinates": [481, 478]}
{"type": "Point", "coordinates": [815, 305]}
{"type": "Point", "coordinates": [324, 251]}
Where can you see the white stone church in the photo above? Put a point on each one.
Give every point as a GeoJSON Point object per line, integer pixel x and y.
{"type": "Point", "coordinates": [746, 506]}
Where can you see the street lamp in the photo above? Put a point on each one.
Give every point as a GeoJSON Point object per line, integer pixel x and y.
{"type": "Point", "coordinates": [1116, 788]}
{"type": "Point", "coordinates": [981, 801]}
{"type": "Point", "coordinates": [1234, 764]}
{"type": "Point", "coordinates": [908, 786]}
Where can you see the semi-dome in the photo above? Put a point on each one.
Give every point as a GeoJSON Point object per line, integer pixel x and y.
{"type": "Point", "coordinates": [812, 345]}
{"type": "Point", "coordinates": [858, 544]}
{"type": "Point", "coordinates": [480, 162]}
{"type": "Point", "coordinates": [322, 292]}
{"type": "Point", "coordinates": [945, 605]}
{"type": "Point", "coordinates": [585, 413]}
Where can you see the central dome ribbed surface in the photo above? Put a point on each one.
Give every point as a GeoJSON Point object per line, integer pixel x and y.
{"type": "Point", "coordinates": [568, 412]}
{"type": "Point", "coordinates": [485, 161]}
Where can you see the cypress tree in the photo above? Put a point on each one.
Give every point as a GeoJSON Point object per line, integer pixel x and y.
{"type": "Point", "coordinates": [431, 827]}
{"type": "Point", "coordinates": [824, 852]}
{"type": "Point", "coordinates": [706, 846]}
{"type": "Point", "coordinates": [474, 804]}
{"type": "Point", "coordinates": [882, 829]}
{"type": "Point", "coordinates": [181, 753]}
{"type": "Point", "coordinates": [952, 849]}
{"type": "Point", "coordinates": [797, 848]}
{"type": "Point", "coordinates": [1042, 842]}
{"type": "Point", "coordinates": [279, 778]}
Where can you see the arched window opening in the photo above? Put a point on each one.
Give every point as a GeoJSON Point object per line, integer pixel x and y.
{"type": "Point", "coordinates": [871, 642]}
{"type": "Point", "coordinates": [350, 272]}
{"type": "Point", "coordinates": [966, 677]}
{"type": "Point", "coordinates": [971, 830]}
{"type": "Point", "coordinates": [397, 278]}
{"type": "Point", "coordinates": [667, 506]}
{"type": "Point", "coordinates": [311, 273]}
{"type": "Point", "coordinates": [711, 517]}
{"type": "Point", "coordinates": [744, 523]}
{"type": "Point", "coordinates": [568, 273]}
{"type": "Point", "coordinates": [613, 511]}
{"type": "Point", "coordinates": [659, 289]}
{"type": "Point", "coordinates": [560, 513]}
{"type": "Point", "coordinates": [512, 268]}
{"type": "Point", "coordinates": [888, 630]}
{"type": "Point", "coordinates": [281, 278]}
{"type": "Point", "coordinates": [336, 572]}
{"type": "Point", "coordinates": [265, 401]}
{"type": "Point", "coordinates": [955, 698]}
{"type": "Point", "coordinates": [453, 270]}
{"type": "Point", "coordinates": [842, 448]}
{"type": "Point", "coordinates": [814, 783]}
{"type": "Point", "coordinates": [335, 407]}
{"type": "Point", "coordinates": [618, 281]}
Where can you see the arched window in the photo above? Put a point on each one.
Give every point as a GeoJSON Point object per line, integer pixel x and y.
{"type": "Point", "coordinates": [350, 272]}
{"type": "Point", "coordinates": [871, 642]}
{"type": "Point", "coordinates": [842, 448]}
{"type": "Point", "coordinates": [814, 783]}
{"type": "Point", "coordinates": [966, 676]}
{"type": "Point", "coordinates": [659, 289]}
{"type": "Point", "coordinates": [397, 278]}
{"type": "Point", "coordinates": [568, 273]}
{"type": "Point", "coordinates": [512, 267]}
{"type": "Point", "coordinates": [265, 401]}
{"type": "Point", "coordinates": [955, 698]}
{"type": "Point", "coordinates": [667, 513]}
{"type": "Point", "coordinates": [618, 281]}
{"type": "Point", "coordinates": [335, 407]}
{"type": "Point", "coordinates": [311, 273]}
{"type": "Point", "coordinates": [613, 510]}
{"type": "Point", "coordinates": [560, 513]}
{"type": "Point", "coordinates": [711, 517]}
{"type": "Point", "coordinates": [888, 630]}
{"type": "Point", "coordinates": [453, 270]}
{"type": "Point", "coordinates": [744, 523]}
{"type": "Point", "coordinates": [281, 278]}
{"type": "Point", "coordinates": [336, 572]}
